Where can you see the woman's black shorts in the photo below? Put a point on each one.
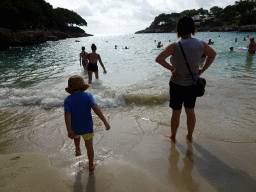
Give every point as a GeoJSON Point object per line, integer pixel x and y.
{"type": "Point", "coordinates": [181, 94]}
{"type": "Point", "coordinates": [93, 67]}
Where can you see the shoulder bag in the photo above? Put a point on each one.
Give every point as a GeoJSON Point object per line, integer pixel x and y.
{"type": "Point", "coordinates": [200, 83]}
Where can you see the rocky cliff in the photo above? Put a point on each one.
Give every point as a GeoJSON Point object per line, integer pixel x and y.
{"type": "Point", "coordinates": [226, 28]}
{"type": "Point", "coordinates": [9, 38]}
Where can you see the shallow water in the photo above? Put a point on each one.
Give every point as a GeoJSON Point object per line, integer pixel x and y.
{"type": "Point", "coordinates": [33, 79]}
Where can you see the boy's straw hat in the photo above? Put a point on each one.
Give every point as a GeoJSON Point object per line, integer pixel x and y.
{"type": "Point", "coordinates": [76, 82]}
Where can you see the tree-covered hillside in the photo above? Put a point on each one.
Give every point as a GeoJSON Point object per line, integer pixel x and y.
{"type": "Point", "coordinates": [240, 14]}
{"type": "Point", "coordinates": [25, 14]}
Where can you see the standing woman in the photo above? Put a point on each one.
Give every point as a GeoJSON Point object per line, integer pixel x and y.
{"type": "Point", "coordinates": [83, 58]}
{"type": "Point", "coordinates": [181, 83]}
{"type": "Point", "coordinates": [92, 66]}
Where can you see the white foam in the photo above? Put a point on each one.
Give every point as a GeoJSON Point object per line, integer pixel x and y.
{"type": "Point", "coordinates": [51, 99]}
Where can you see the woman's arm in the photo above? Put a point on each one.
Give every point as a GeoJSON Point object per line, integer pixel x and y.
{"type": "Point", "coordinates": [80, 55]}
{"type": "Point", "coordinates": [169, 50]}
{"type": "Point", "coordinates": [85, 58]}
{"type": "Point", "coordinates": [101, 64]}
{"type": "Point", "coordinates": [211, 54]}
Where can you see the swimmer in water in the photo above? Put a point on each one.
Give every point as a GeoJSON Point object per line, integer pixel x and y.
{"type": "Point", "coordinates": [210, 42]}
{"type": "Point", "coordinates": [231, 49]}
{"type": "Point", "coordinates": [252, 46]}
{"type": "Point", "coordinates": [159, 44]}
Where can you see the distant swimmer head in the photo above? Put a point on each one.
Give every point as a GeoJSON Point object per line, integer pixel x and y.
{"type": "Point", "coordinates": [231, 48]}
{"type": "Point", "coordinates": [83, 48]}
{"type": "Point", "coordinates": [93, 47]}
{"type": "Point", "coordinates": [185, 26]}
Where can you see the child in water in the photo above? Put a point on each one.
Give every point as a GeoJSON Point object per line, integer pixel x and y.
{"type": "Point", "coordinates": [78, 116]}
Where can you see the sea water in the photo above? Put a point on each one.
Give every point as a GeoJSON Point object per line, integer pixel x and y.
{"type": "Point", "coordinates": [33, 81]}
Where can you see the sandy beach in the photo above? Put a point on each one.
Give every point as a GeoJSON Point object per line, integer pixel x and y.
{"type": "Point", "coordinates": [153, 164]}
{"type": "Point", "coordinates": [135, 155]}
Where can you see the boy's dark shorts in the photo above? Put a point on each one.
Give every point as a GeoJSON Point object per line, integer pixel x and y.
{"type": "Point", "coordinates": [180, 95]}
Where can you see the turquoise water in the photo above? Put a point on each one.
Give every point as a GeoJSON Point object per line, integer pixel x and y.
{"type": "Point", "coordinates": [33, 78]}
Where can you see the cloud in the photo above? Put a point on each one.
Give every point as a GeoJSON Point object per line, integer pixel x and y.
{"type": "Point", "coordinates": [126, 15]}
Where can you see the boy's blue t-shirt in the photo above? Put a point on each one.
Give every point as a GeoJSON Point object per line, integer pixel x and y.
{"type": "Point", "coordinates": [79, 105]}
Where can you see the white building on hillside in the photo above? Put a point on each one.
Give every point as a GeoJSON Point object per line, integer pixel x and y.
{"type": "Point", "coordinates": [196, 17]}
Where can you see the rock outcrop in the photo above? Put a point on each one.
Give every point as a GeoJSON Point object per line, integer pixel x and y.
{"type": "Point", "coordinates": [225, 28]}
{"type": "Point", "coordinates": [9, 38]}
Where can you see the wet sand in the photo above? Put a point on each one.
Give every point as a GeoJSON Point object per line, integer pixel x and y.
{"type": "Point", "coordinates": [154, 163]}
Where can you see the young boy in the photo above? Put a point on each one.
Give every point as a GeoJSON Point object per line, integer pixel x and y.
{"type": "Point", "coordinates": [78, 116]}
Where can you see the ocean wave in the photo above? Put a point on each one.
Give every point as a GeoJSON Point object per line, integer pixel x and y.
{"type": "Point", "coordinates": [146, 99]}
{"type": "Point", "coordinates": [50, 99]}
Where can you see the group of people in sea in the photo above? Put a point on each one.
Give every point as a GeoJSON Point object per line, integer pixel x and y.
{"type": "Point", "coordinates": [89, 62]}
{"type": "Point", "coordinates": [251, 47]}
{"type": "Point", "coordinates": [78, 104]}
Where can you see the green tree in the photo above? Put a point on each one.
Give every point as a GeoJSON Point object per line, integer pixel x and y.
{"type": "Point", "coordinates": [229, 14]}
{"type": "Point", "coordinates": [216, 11]}
{"type": "Point", "coordinates": [21, 14]}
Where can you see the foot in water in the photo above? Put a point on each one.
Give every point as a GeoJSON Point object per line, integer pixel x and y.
{"type": "Point", "coordinates": [189, 138]}
{"type": "Point", "coordinates": [93, 167]}
{"type": "Point", "coordinates": [173, 139]}
{"type": "Point", "coordinates": [78, 153]}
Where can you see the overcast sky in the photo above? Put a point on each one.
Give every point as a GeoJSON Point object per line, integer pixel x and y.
{"type": "Point", "coordinates": [129, 16]}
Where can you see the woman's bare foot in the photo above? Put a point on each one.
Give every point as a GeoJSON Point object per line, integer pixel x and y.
{"type": "Point", "coordinates": [172, 138]}
{"type": "Point", "coordinates": [189, 138]}
{"type": "Point", "coordinates": [93, 167]}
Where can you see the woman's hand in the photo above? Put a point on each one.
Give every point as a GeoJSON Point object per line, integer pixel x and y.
{"type": "Point", "coordinates": [175, 75]}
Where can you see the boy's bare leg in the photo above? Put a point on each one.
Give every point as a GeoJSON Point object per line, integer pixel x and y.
{"type": "Point", "coordinates": [191, 122]}
{"type": "Point", "coordinates": [90, 153]}
{"type": "Point", "coordinates": [90, 77]}
{"type": "Point", "coordinates": [77, 144]}
{"type": "Point", "coordinates": [175, 122]}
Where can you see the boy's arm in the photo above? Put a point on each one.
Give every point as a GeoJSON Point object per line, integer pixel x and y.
{"type": "Point", "coordinates": [98, 112]}
{"type": "Point", "coordinates": [71, 134]}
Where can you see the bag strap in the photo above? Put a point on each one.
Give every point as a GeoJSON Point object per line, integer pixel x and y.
{"type": "Point", "coordinates": [186, 61]}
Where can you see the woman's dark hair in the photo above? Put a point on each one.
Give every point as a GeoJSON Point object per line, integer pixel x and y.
{"type": "Point", "coordinates": [185, 26]}
{"type": "Point", "coordinates": [83, 48]}
{"type": "Point", "coordinates": [93, 47]}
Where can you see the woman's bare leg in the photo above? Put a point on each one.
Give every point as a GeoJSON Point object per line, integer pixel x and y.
{"type": "Point", "coordinates": [175, 122]}
{"type": "Point", "coordinates": [90, 77]}
{"type": "Point", "coordinates": [191, 122]}
{"type": "Point", "coordinates": [97, 74]}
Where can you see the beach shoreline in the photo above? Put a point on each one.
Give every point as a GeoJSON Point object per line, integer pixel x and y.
{"type": "Point", "coordinates": [154, 163]}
